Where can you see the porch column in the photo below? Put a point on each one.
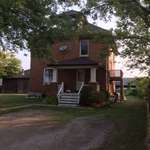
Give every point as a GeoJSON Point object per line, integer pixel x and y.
{"type": "Point", "coordinates": [55, 75]}
{"type": "Point", "coordinates": [93, 75]}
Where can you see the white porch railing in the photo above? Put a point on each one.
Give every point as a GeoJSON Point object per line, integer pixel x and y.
{"type": "Point", "coordinates": [81, 87]}
{"type": "Point", "coordinates": [79, 92]}
{"type": "Point", "coordinates": [61, 90]}
{"type": "Point", "coordinates": [71, 99]}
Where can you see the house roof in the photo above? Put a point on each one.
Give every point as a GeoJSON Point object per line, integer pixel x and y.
{"type": "Point", "coordinates": [96, 29]}
{"type": "Point", "coordinates": [87, 27]}
{"type": "Point", "coordinates": [82, 61]}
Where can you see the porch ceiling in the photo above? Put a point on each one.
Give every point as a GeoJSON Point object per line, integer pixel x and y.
{"type": "Point", "coordinates": [76, 62]}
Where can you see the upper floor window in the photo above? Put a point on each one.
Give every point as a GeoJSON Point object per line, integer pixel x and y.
{"type": "Point", "coordinates": [84, 47]}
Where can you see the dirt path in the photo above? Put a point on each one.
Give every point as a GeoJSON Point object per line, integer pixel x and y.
{"type": "Point", "coordinates": [37, 130]}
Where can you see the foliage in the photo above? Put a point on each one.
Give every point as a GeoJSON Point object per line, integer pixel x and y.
{"type": "Point", "coordinates": [90, 96]}
{"type": "Point", "coordinates": [141, 86]}
{"type": "Point", "coordinates": [36, 25]}
{"type": "Point", "coordinates": [131, 92]}
{"type": "Point", "coordinates": [51, 100]}
{"type": "Point", "coordinates": [103, 95]}
{"type": "Point", "coordinates": [85, 96]}
{"type": "Point", "coordinates": [32, 24]}
{"type": "Point", "coordinates": [140, 89]}
{"type": "Point", "coordinates": [9, 65]}
{"type": "Point", "coordinates": [133, 27]}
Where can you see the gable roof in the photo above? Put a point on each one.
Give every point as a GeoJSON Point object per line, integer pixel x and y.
{"type": "Point", "coordinates": [93, 31]}
{"type": "Point", "coordinates": [88, 27]}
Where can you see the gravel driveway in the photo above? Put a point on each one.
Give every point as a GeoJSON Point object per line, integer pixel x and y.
{"type": "Point", "coordinates": [37, 130]}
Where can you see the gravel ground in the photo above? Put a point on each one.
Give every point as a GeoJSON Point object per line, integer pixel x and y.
{"type": "Point", "coordinates": [38, 130]}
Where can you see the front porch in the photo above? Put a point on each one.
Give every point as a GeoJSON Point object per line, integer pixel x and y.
{"type": "Point", "coordinates": [73, 72]}
{"type": "Point", "coordinates": [71, 76]}
{"type": "Point", "coordinates": [71, 82]}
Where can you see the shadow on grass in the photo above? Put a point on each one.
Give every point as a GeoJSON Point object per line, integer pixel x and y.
{"type": "Point", "coordinates": [130, 126]}
{"type": "Point", "coordinates": [129, 119]}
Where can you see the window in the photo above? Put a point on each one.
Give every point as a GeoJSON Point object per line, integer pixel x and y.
{"type": "Point", "coordinates": [62, 48]}
{"type": "Point", "coordinates": [48, 76]}
{"type": "Point", "coordinates": [84, 47]}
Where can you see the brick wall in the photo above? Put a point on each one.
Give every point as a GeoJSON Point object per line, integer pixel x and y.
{"type": "Point", "coordinates": [73, 51]}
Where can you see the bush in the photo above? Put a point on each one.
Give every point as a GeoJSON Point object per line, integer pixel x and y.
{"type": "Point", "coordinates": [51, 100]}
{"type": "Point", "coordinates": [140, 89]}
{"type": "Point", "coordinates": [104, 95]}
{"type": "Point", "coordinates": [131, 92]}
{"type": "Point", "coordinates": [142, 85]}
{"type": "Point", "coordinates": [89, 96]}
{"type": "Point", "coordinates": [86, 96]}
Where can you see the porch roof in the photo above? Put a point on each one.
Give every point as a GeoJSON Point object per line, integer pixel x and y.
{"type": "Point", "coordinates": [81, 61]}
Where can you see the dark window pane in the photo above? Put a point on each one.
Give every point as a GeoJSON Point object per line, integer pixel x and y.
{"type": "Point", "coordinates": [84, 47]}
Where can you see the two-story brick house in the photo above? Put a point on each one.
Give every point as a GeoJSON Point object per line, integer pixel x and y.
{"type": "Point", "coordinates": [77, 62]}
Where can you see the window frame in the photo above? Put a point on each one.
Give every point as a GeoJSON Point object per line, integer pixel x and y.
{"type": "Point", "coordinates": [84, 55]}
{"type": "Point", "coordinates": [50, 81]}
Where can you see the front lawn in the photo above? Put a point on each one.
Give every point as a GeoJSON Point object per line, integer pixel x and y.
{"type": "Point", "coordinates": [129, 119]}
{"type": "Point", "coordinates": [12, 100]}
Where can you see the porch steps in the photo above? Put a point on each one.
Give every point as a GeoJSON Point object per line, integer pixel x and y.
{"type": "Point", "coordinates": [68, 99]}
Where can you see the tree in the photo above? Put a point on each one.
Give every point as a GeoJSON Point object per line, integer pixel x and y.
{"type": "Point", "coordinates": [32, 24]}
{"type": "Point", "coordinates": [141, 86]}
{"type": "Point", "coordinates": [36, 24]}
{"type": "Point", "coordinates": [9, 65]}
{"type": "Point", "coordinates": [133, 27]}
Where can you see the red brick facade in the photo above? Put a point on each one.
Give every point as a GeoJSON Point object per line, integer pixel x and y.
{"type": "Point", "coordinates": [73, 50]}
{"type": "Point", "coordinates": [69, 76]}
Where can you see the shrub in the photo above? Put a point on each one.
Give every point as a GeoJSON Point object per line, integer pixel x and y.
{"type": "Point", "coordinates": [85, 97]}
{"type": "Point", "coordinates": [131, 92]}
{"type": "Point", "coordinates": [90, 96]}
{"type": "Point", "coordinates": [142, 85]}
{"type": "Point", "coordinates": [51, 100]}
{"type": "Point", "coordinates": [103, 95]}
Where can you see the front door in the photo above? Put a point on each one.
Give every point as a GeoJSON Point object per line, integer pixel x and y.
{"type": "Point", "coordinates": [80, 78]}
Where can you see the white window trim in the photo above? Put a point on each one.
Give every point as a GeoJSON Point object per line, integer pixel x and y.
{"type": "Point", "coordinates": [54, 76]}
{"type": "Point", "coordinates": [81, 55]}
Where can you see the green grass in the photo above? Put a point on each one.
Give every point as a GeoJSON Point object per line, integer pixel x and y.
{"type": "Point", "coordinates": [12, 100]}
{"type": "Point", "coordinates": [129, 119]}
